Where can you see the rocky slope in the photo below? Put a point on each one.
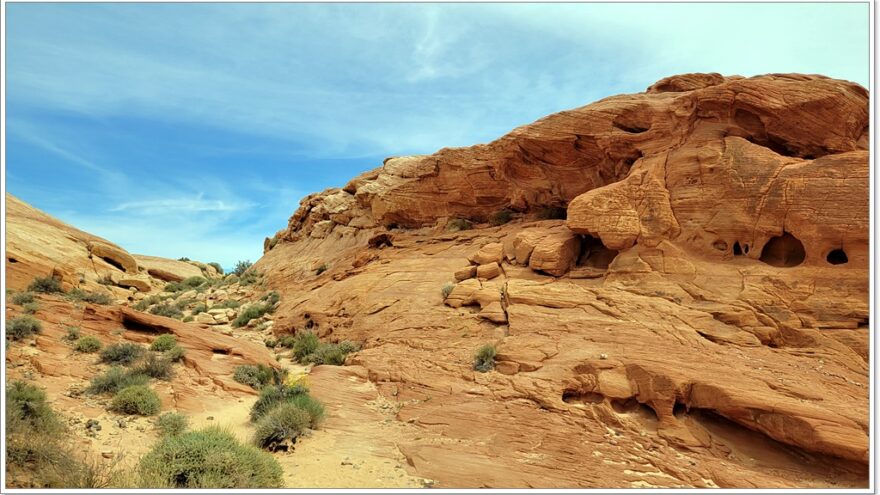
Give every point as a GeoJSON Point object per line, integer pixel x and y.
{"type": "Point", "coordinates": [699, 318]}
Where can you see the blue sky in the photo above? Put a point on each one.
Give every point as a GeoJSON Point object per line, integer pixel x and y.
{"type": "Point", "coordinates": [195, 129]}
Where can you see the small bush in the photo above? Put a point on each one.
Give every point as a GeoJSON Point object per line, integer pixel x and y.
{"type": "Point", "coordinates": [171, 423]}
{"type": "Point", "coordinates": [21, 327]}
{"type": "Point", "coordinates": [193, 282]}
{"type": "Point", "coordinates": [121, 353]}
{"type": "Point", "coordinates": [89, 297]}
{"type": "Point", "coordinates": [173, 287]}
{"type": "Point", "coordinates": [183, 259]}
{"type": "Point", "coordinates": [250, 277]}
{"type": "Point", "coordinates": [284, 422]}
{"type": "Point", "coordinates": [31, 308]}
{"type": "Point", "coordinates": [310, 405]}
{"type": "Point", "coordinates": [241, 267]}
{"type": "Point", "coordinates": [136, 399]}
{"type": "Point", "coordinates": [250, 313]}
{"type": "Point", "coordinates": [188, 318]}
{"type": "Point", "coordinates": [199, 308]}
{"type": "Point", "coordinates": [484, 359]}
{"type": "Point", "coordinates": [270, 343]}
{"type": "Point", "coordinates": [457, 224]}
{"type": "Point", "coordinates": [72, 334]}
{"type": "Point", "coordinates": [45, 285]}
{"type": "Point", "coordinates": [209, 458]}
{"type": "Point", "coordinates": [216, 267]}
{"type": "Point", "coordinates": [304, 343]}
{"type": "Point", "coordinates": [183, 303]}
{"type": "Point", "coordinates": [114, 380]}
{"type": "Point", "coordinates": [155, 367]}
{"type": "Point", "coordinates": [163, 342]}
{"type": "Point", "coordinates": [87, 345]}
{"type": "Point", "coordinates": [271, 298]}
{"type": "Point", "coordinates": [447, 289]}
{"type": "Point", "coordinates": [501, 217]}
{"type": "Point", "coordinates": [332, 354]}
{"type": "Point", "coordinates": [23, 298]}
{"type": "Point", "coordinates": [272, 395]}
{"type": "Point", "coordinates": [175, 354]}
{"type": "Point", "coordinates": [255, 376]}
{"type": "Point", "coordinates": [165, 309]}
{"type": "Point", "coordinates": [228, 304]}
{"type": "Point", "coordinates": [28, 403]}
{"type": "Point", "coordinates": [321, 269]}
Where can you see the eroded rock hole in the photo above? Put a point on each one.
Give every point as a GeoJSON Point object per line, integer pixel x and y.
{"type": "Point", "coordinates": [135, 325]}
{"type": "Point", "coordinates": [630, 128]}
{"type": "Point", "coordinates": [113, 262]}
{"type": "Point", "coordinates": [737, 250]}
{"type": "Point", "coordinates": [679, 409]}
{"type": "Point", "coordinates": [570, 396]}
{"type": "Point", "coordinates": [225, 352]}
{"type": "Point", "coordinates": [12, 260]}
{"type": "Point", "coordinates": [625, 406]}
{"type": "Point", "coordinates": [784, 250]}
{"type": "Point", "coordinates": [594, 254]}
{"type": "Point", "coordinates": [837, 257]}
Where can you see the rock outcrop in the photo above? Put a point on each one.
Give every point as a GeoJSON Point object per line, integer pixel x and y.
{"type": "Point", "coordinates": [699, 319]}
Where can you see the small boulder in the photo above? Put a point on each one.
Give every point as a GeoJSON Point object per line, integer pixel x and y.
{"type": "Point", "coordinates": [489, 271]}
{"type": "Point", "coordinates": [556, 253]}
{"type": "Point", "coordinates": [205, 318]}
{"type": "Point", "coordinates": [493, 252]}
{"type": "Point", "coordinates": [466, 273]}
{"type": "Point", "coordinates": [494, 313]}
{"type": "Point", "coordinates": [138, 283]}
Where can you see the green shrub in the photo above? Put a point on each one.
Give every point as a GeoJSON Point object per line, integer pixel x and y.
{"type": "Point", "coordinates": [456, 224]}
{"type": "Point", "coordinates": [173, 287]}
{"type": "Point", "coordinates": [136, 399]}
{"type": "Point", "coordinates": [121, 353]}
{"type": "Point", "coordinates": [23, 298]}
{"type": "Point", "coordinates": [229, 303]}
{"type": "Point", "coordinates": [271, 298]}
{"type": "Point", "coordinates": [251, 312]}
{"type": "Point", "coordinates": [175, 354]}
{"type": "Point", "coordinates": [165, 309]}
{"type": "Point", "coordinates": [22, 327]}
{"type": "Point", "coordinates": [199, 308]}
{"type": "Point", "coordinates": [270, 343]}
{"type": "Point", "coordinates": [501, 217]}
{"type": "Point", "coordinates": [255, 376]}
{"type": "Point", "coordinates": [188, 318]}
{"type": "Point", "coordinates": [45, 285]}
{"type": "Point", "coordinates": [87, 344]}
{"type": "Point", "coordinates": [183, 259]}
{"type": "Point", "coordinates": [332, 354]}
{"type": "Point", "coordinates": [155, 367]}
{"type": "Point", "coordinates": [321, 269]}
{"type": "Point", "coordinates": [249, 277]}
{"type": "Point", "coordinates": [114, 380]}
{"type": "Point", "coordinates": [208, 458]}
{"type": "Point", "coordinates": [171, 423]}
{"type": "Point", "coordinates": [72, 334]}
{"type": "Point", "coordinates": [216, 267]}
{"type": "Point", "coordinates": [163, 342]}
{"type": "Point", "coordinates": [310, 405]}
{"type": "Point", "coordinates": [304, 343]}
{"type": "Point", "coordinates": [447, 289]}
{"type": "Point", "coordinates": [272, 395]}
{"type": "Point", "coordinates": [241, 267]}
{"type": "Point", "coordinates": [89, 297]}
{"type": "Point", "coordinates": [193, 282]}
{"type": "Point", "coordinates": [28, 403]}
{"type": "Point", "coordinates": [484, 359]}
{"type": "Point", "coordinates": [183, 303]}
{"type": "Point", "coordinates": [230, 279]}
{"type": "Point", "coordinates": [31, 308]}
{"type": "Point", "coordinates": [284, 422]}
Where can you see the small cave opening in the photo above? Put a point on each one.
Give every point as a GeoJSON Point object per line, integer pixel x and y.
{"type": "Point", "coordinates": [630, 128]}
{"type": "Point", "coordinates": [679, 409]}
{"type": "Point", "coordinates": [837, 257]}
{"type": "Point", "coordinates": [737, 250]}
{"type": "Point", "coordinates": [571, 396]}
{"type": "Point", "coordinates": [11, 260]}
{"type": "Point", "coordinates": [594, 254]}
{"type": "Point", "coordinates": [225, 352]}
{"type": "Point", "coordinates": [135, 325]}
{"type": "Point", "coordinates": [784, 251]}
{"type": "Point", "coordinates": [113, 262]}
{"type": "Point", "coordinates": [865, 323]}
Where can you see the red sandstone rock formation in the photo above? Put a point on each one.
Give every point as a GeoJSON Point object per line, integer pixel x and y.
{"type": "Point", "coordinates": [700, 318]}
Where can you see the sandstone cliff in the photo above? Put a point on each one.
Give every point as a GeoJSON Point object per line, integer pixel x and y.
{"type": "Point", "coordinates": [699, 318]}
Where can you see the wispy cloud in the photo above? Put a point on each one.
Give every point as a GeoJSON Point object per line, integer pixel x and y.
{"type": "Point", "coordinates": [180, 205]}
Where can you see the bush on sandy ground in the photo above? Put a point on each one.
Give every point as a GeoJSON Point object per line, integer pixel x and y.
{"type": "Point", "coordinates": [172, 423]}
{"type": "Point", "coordinates": [155, 367]}
{"type": "Point", "coordinates": [208, 458]}
{"type": "Point", "coordinates": [163, 342]}
{"type": "Point", "coordinates": [136, 399]}
{"type": "Point", "coordinates": [121, 353]}
{"type": "Point", "coordinates": [87, 344]}
{"type": "Point", "coordinates": [114, 380]}
{"type": "Point", "coordinates": [332, 354]}
{"type": "Point", "coordinates": [252, 312]}
{"type": "Point", "coordinates": [23, 298]}
{"type": "Point", "coordinates": [255, 376]}
{"type": "Point", "coordinates": [31, 308]}
{"type": "Point", "coordinates": [21, 327]}
{"type": "Point", "coordinates": [283, 423]}
{"type": "Point", "coordinates": [167, 310]}
{"type": "Point", "coordinates": [89, 297]}
{"type": "Point", "coordinates": [272, 395]}
{"type": "Point", "coordinates": [175, 354]}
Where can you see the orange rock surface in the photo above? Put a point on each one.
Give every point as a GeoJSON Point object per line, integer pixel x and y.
{"type": "Point", "coordinates": [700, 318]}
